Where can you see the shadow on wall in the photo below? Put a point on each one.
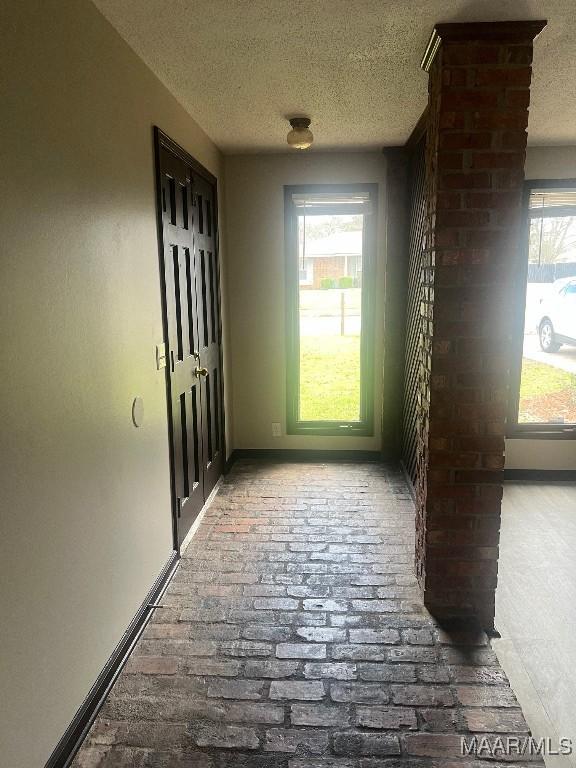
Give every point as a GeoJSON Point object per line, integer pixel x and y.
{"type": "Point", "coordinates": [491, 10]}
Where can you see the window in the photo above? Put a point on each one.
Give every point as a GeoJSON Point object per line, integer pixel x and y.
{"type": "Point", "coordinates": [545, 391]}
{"type": "Point", "coordinates": [330, 245]}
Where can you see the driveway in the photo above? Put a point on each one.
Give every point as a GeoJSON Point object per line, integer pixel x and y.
{"type": "Point", "coordinates": [565, 358]}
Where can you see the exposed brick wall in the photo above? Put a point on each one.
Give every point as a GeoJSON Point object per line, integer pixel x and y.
{"type": "Point", "coordinates": [331, 266]}
{"type": "Point", "coordinates": [479, 91]}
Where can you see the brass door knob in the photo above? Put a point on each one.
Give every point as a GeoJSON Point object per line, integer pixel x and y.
{"type": "Point", "coordinates": [198, 371]}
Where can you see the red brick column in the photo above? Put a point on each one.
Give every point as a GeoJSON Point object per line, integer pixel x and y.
{"type": "Point", "coordinates": [479, 92]}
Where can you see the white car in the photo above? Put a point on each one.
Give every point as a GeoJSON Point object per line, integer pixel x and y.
{"type": "Point", "coordinates": [557, 323]}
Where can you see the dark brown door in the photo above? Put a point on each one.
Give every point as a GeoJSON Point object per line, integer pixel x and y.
{"type": "Point", "coordinates": [192, 313]}
{"type": "Point", "coordinates": [207, 281]}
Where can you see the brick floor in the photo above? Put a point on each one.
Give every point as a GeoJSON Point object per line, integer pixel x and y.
{"type": "Point", "coordinates": [293, 636]}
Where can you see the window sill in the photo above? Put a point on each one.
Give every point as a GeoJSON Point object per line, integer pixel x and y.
{"type": "Point", "coordinates": [329, 429]}
{"type": "Point", "coordinates": [547, 432]}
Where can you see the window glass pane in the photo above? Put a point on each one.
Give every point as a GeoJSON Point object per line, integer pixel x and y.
{"type": "Point", "coordinates": [548, 381]}
{"type": "Point", "coordinates": [330, 304]}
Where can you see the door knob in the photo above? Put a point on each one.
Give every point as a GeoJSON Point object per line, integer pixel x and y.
{"type": "Point", "coordinates": [198, 371]}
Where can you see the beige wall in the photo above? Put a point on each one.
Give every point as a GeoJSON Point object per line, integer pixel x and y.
{"type": "Point", "coordinates": [551, 163]}
{"type": "Point", "coordinates": [545, 163]}
{"type": "Point", "coordinates": [85, 521]}
{"type": "Point", "coordinates": [254, 214]}
{"type": "Point", "coordinates": [540, 454]}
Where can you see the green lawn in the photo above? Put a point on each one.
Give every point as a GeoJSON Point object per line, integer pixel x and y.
{"type": "Point", "coordinates": [330, 381]}
{"type": "Point", "coordinates": [540, 379]}
{"type": "Point", "coordinates": [330, 378]}
{"type": "Point", "coordinates": [547, 394]}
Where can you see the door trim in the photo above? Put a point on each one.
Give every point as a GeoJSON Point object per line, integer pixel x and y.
{"type": "Point", "coordinates": [163, 141]}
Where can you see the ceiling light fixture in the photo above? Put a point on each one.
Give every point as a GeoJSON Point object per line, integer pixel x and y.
{"type": "Point", "coordinates": [300, 137]}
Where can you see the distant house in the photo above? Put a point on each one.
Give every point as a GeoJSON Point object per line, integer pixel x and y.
{"type": "Point", "coordinates": [334, 256]}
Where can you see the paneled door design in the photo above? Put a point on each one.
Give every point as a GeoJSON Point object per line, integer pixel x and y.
{"type": "Point", "coordinates": [190, 276]}
{"type": "Point", "coordinates": [208, 303]}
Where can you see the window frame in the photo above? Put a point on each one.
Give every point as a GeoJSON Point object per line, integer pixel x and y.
{"type": "Point", "coordinates": [516, 430]}
{"type": "Point", "coordinates": [365, 426]}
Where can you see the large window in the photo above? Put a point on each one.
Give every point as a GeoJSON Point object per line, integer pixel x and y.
{"type": "Point", "coordinates": [330, 241]}
{"type": "Point", "coordinates": [545, 402]}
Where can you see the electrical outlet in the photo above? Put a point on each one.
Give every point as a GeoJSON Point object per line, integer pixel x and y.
{"type": "Point", "coordinates": [276, 429]}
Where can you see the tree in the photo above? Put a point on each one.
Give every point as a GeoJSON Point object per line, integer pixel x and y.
{"type": "Point", "coordinates": [323, 226]}
{"type": "Point", "coordinates": [551, 239]}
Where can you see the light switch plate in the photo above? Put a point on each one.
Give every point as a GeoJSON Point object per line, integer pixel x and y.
{"type": "Point", "coordinates": [160, 356]}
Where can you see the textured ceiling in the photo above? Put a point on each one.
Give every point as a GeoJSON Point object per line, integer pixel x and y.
{"type": "Point", "coordinates": [240, 67]}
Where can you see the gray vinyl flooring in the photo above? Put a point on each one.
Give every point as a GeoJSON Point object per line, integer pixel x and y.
{"type": "Point", "coordinates": [536, 607]}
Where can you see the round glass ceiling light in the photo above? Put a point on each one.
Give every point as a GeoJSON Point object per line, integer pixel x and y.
{"type": "Point", "coordinates": [300, 137]}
